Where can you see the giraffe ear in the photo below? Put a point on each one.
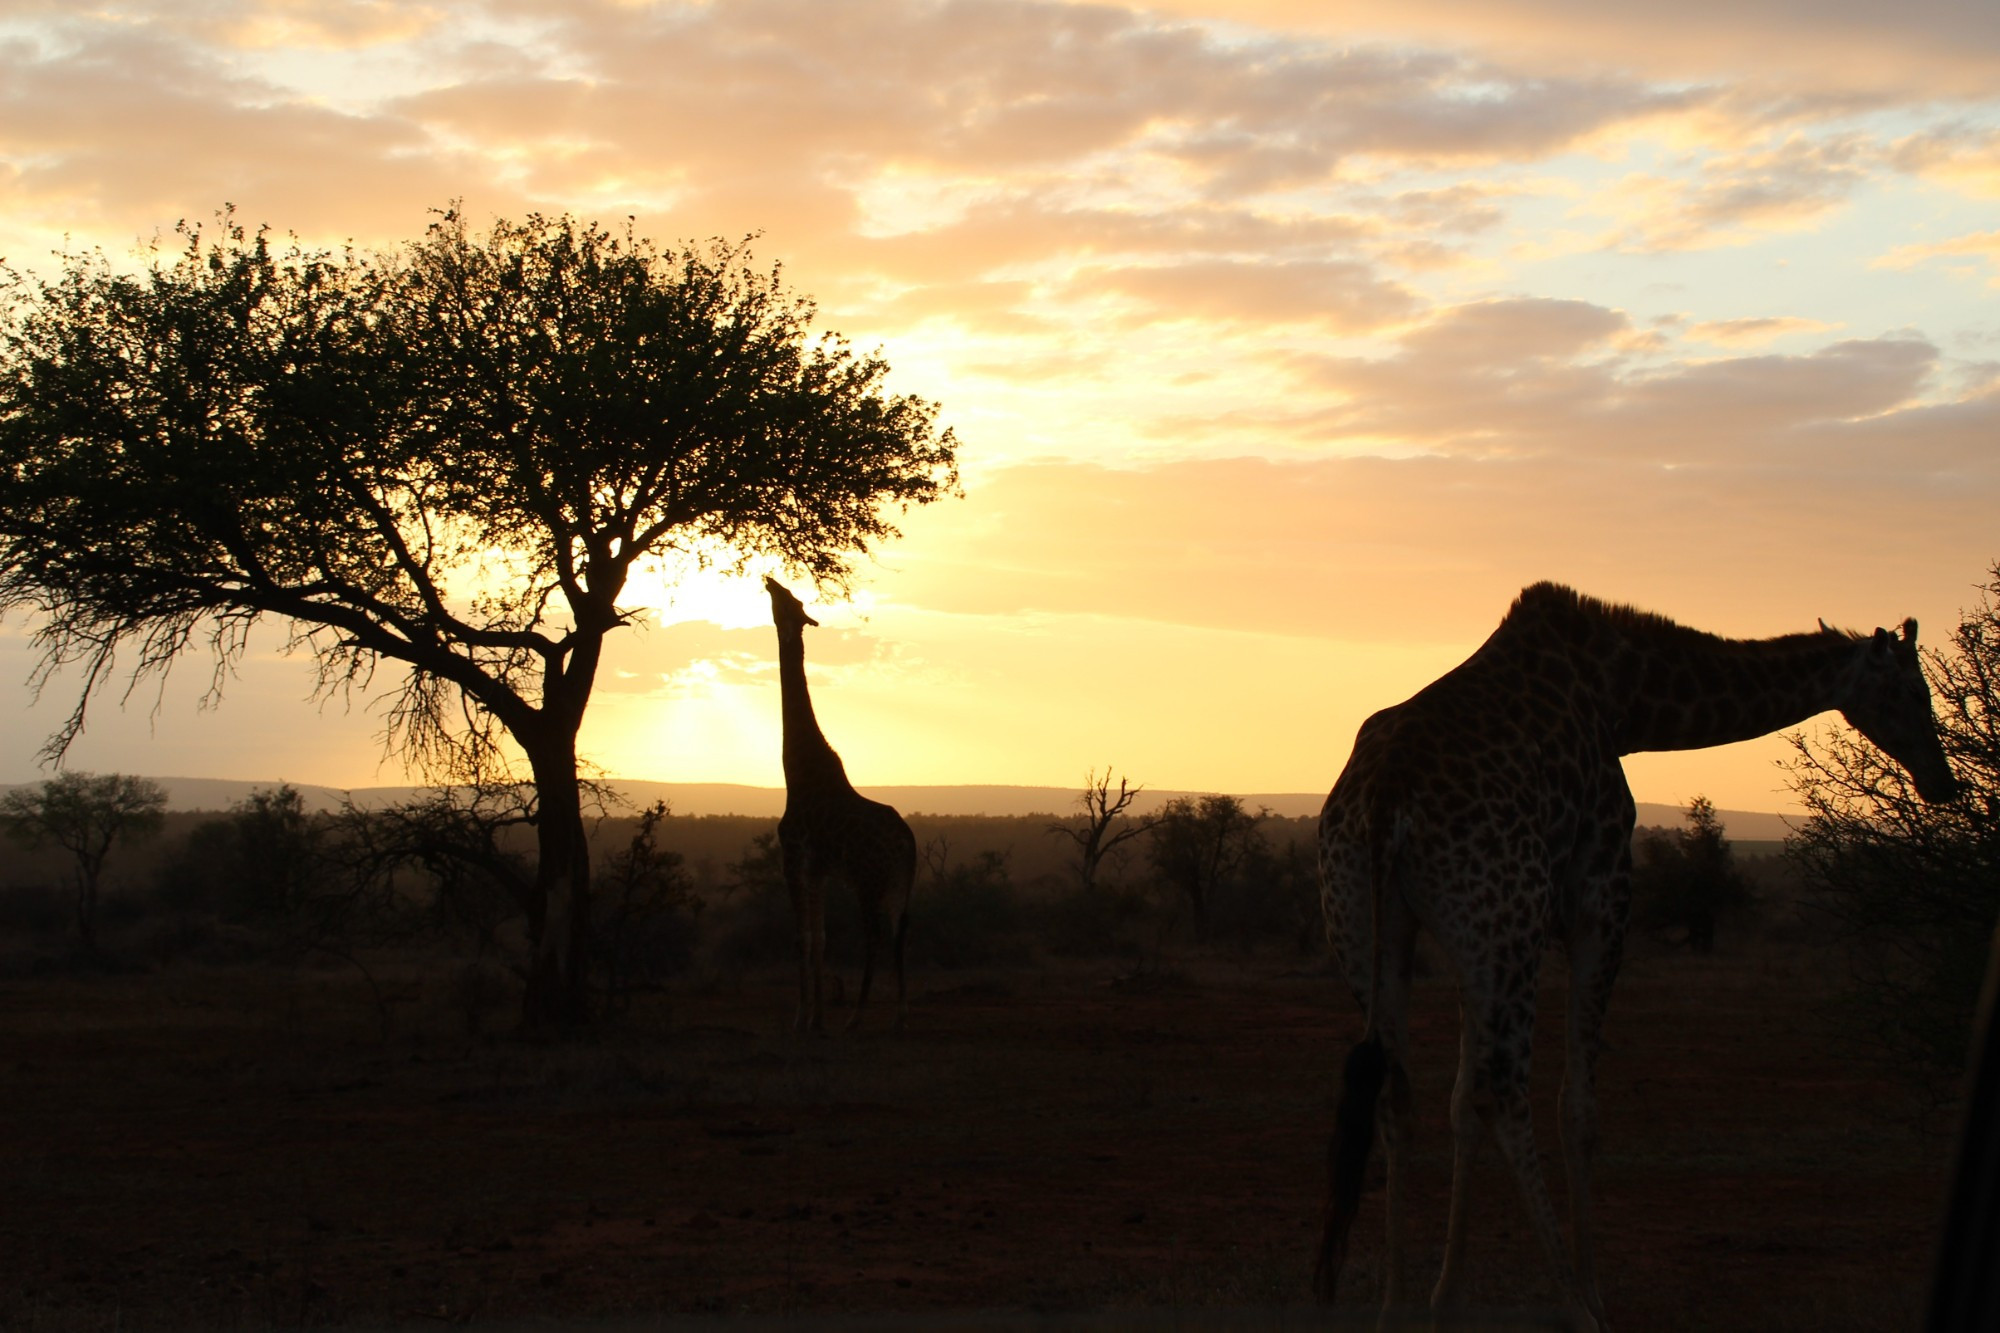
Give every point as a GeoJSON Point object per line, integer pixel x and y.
{"type": "Point", "coordinates": [1910, 630]}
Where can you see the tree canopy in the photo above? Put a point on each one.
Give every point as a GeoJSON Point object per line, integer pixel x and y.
{"type": "Point", "coordinates": [451, 458]}
{"type": "Point", "coordinates": [1913, 886]}
{"type": "Point", "coordinates": [85, 814]}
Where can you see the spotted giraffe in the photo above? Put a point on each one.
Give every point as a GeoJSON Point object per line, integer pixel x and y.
{"type": "Point", "coordinates": [832, 834]}
{"type": "Point", "coordinates": [1490, 810]}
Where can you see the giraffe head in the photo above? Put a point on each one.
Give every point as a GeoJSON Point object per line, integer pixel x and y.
{"type": "Point", "coordinates": [787, 611]}
{"type": "Point", "coordinates": [1889, 701]}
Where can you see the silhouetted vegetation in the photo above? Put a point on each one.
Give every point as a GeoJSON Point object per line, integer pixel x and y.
{"type": "Point", "coordinates": [649, 913]}
{"type": "Point", "coordinates": [359, 445]}
{"type": "Point", "coordinates": [1093, 833]}
{"type": "Point", "coordinates": [1686, 880]}
{"type": "Point", "coordinates": [86, 815]}
{"type": "Point", "coordinates": [1913, 888]}
{"type": "Point", "coordinates": [442, 882]}
{"type": "Point", "coordinates": [1200, 847]}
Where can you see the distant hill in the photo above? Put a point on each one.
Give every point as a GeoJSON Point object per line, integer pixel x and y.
{"type": "Point", "coordinates": [723, 798]}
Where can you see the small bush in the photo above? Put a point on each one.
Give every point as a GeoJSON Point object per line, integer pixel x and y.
{"type": "Point", "coordinates": [1686, 880]}
{"type": "Point", "coordinates": [970, 916]}
{"type": "Point", "coordinates": [34, 910]}
{"type": "Point", "coordinates": [1098, 922]}
{"type": "Point", "coordinates": [645, 931]}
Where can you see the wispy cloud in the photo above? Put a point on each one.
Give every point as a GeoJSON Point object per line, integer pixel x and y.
{"type": "Point", "coordinates": [1755, 331]}
{"type": "Point", "coordinates": [1970, 252]}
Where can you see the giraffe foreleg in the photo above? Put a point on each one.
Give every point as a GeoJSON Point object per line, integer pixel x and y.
{"type": "Point", "coordinates": [1593, 966]}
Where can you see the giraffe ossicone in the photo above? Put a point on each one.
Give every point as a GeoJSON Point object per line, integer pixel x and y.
{"type": "Point", "coordinates": [1490, 810]}
{"type": "Point", "coordinates": [832, 835]}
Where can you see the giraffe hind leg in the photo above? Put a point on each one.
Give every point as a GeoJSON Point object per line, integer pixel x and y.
{"type": "Point", "coordinates": [815, 947]}
{"type": "Point", "coordinates": [1500, 1089]}
{"type": "Point", "coordinates": [902, 1004]}
{"type": "Point", "coordinates": [1471, 1122]}
{"type": "Point", "coordinates": [871, 924]}
{"type": "Point", "coordinates": [795, 887]}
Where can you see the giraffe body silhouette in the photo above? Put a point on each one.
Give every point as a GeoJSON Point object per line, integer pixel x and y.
{"type": "Point", "coordinates": [833, 836]}
{"type": "Point", "coordinates": [1491, 811]}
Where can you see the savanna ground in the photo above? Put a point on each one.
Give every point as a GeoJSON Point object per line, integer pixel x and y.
{"type": "Point", "coordinates": [244, 1146]}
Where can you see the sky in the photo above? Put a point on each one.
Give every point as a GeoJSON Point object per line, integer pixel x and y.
{"type": "Point", "coordinates": [1284, 341]}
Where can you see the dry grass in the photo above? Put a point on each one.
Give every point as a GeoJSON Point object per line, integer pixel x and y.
{"type": "Point", "coordinates": [242, 1148]}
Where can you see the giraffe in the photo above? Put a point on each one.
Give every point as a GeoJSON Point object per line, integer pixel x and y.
{"type": "Point", "coordinates": [830, 832]}
{"type": "Point", "coordinates": [1490, 809]}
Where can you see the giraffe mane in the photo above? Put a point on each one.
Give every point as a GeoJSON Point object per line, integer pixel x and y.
{"type": "Point", "coordinates": [1557, 605]}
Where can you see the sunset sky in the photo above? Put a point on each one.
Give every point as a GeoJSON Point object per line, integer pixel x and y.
{"type": "Point", "coordinates": [1285, 341]}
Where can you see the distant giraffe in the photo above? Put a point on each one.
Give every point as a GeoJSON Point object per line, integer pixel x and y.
{"type": "Point", "coordinates": [1491, 810]}
{"type": "Point", "coordinates": [831, 833]}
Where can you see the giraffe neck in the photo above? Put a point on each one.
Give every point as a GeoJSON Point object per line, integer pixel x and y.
{"type": "Point", "coordinates": [1691, 690]}
{"type": "Point", "coordinates": [809, 760]}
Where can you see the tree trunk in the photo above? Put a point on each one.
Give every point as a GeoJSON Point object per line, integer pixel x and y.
{"type": "Point", "coordinates": [558, 993]}
{"type": "Point", "coordinates": [89, 870]}
{"type": "Point", "coordinates": [86, 911]}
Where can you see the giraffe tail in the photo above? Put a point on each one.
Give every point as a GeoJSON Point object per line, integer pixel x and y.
{"type": "Point", "coordinates": [1347, 1157]}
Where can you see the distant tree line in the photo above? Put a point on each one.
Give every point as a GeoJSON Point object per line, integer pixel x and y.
{"type": "Point", "coordinates": [451, 873]}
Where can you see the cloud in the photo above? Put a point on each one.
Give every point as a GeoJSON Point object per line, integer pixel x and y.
{"type": "Point", "coordinates": [1963, 156]}
{"type": "Point", "coordinates": [1055, 101]}
{"type": "Point", "coordinates": [1346, 297]}
{"type": "Point", "coordinates": [256, 24]}
{"type": "Point", "coordinates": [693, 655]}
{"type": "Point", "coordinates": [1736, 197]}
{"type": "Point", "coordinates": [1982, 248]}
{"type": "Point", "coordinates": [1430, 549]}
{"type": "Point", "coordinates": [1924, 49]}
{"type": "Point", "coordinates": [112, 124]}
{"type": "Point", "coordinates": [1755, 331]}
{"type": "Point", "coordinates": [1534, 376]}
{"type": "Point", "coordinates": [1047, 236]}
{"type": "Point", "coordinates": [1512, 331]}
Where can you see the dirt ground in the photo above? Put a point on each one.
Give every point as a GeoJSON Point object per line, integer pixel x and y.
{"type": "Point", "coordinates": [245, 1148]}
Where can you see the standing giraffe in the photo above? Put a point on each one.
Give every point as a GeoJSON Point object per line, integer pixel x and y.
{"type": "Point", "coordinates": [1491, 810]}
{"type": "Point", "coordinates": [830, 832]}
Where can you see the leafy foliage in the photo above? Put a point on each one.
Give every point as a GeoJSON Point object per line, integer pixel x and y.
{"type": "Point", "coordinates": [86, 815]}
{"type": "Point", "coordinates": [468, 844]}
{"type": "Point", "coordinates": [1686, 879]}
{"type": "Point", "coordinates": [968, 914]}
{"type": "Point", "coordinates": [647, 930]}
{"type": "Point", "coordinates": [1913, 887]}
{"type": "Point", "coordinates": [1198, 847]}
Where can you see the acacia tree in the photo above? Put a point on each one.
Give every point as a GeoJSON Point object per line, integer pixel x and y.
{"type": "Point", "coordinates": [1101, 808]}
{"type": "Point", "coordinates": [85, 814]}
{"type": "Point", "coordinates": [450, 458]}
{"type": "Point", "coordinates": [1687, 877]}
{"type": "Point", "coordinates": [1198, 844]}
{"type": "Point", "coordinates": [1913, 887]}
